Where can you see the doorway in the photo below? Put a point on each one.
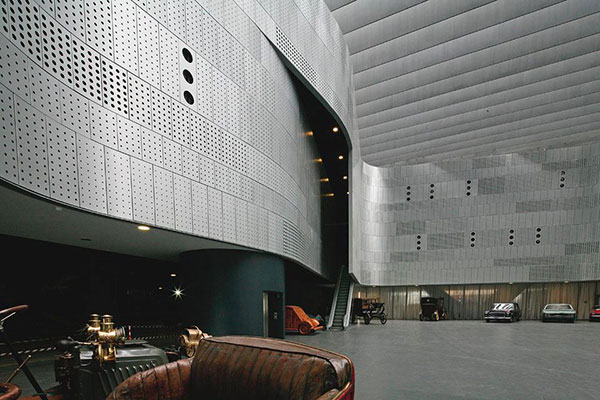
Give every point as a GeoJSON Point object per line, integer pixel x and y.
{"type": "Point", "coordinates": [273, 315]}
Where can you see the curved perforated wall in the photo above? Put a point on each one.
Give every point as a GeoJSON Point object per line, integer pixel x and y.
{"type": "Point", "coordinates": [179, 113]}
{"type": "Point", "coordinates": [523, 217]}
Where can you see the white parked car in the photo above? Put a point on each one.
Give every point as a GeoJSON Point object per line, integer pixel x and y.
{"type": "Point", "coordinates": [559, 312]}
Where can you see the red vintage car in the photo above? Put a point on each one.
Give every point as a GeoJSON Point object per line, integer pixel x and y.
{"type": "Point", "coordinates": [595, 313]}
{"type": "Point", "coordinates": [296, 320]}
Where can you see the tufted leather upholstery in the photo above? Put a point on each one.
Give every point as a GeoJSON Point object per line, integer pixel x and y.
{"type": "Point", "coordinates": [246, 368]}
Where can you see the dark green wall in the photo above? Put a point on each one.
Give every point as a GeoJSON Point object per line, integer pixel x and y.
{"type": "Point", "coordinates": [224, 289]}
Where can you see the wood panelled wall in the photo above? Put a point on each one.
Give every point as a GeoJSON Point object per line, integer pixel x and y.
{"type": "Point", "coordinates": [470, 301]}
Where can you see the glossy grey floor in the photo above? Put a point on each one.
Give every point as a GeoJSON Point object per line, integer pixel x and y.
{"type": "Point", "coordinates": [469, 359]}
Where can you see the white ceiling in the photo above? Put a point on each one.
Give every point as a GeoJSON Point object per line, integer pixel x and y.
{"type": "Point", "coordinates": [440, 79]}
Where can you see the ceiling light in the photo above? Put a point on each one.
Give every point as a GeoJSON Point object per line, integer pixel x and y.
{"type": "Point", "coordinates": [173, 275]}
{"type": "Point", "coordinates": [58, 208]}
{"type": "Point", "coordinates": [324, 179]}
{"type": "Point", "coordinates": [348, 192]}
{"type": "Point", "coordinates": [345, 177]}
{"type": "Point", "coordinates": [328, 195]}
{"type": "Point", "coordinates": [177, 293]}
{"type": "Point", "coordinates": [340, 157]}
{"type": "Point", "coordinates": [160, 288]}
{"type": "Point", "coordinates": [143, 228]}
{"type": "Point", "coordinates": [318, 160]}
{"type": "Point", "coordinates": [309, 133]}
{"type": "Point", "coordinates": [335, 129]}
{"type": "Point", "coordinates": [566, 281]}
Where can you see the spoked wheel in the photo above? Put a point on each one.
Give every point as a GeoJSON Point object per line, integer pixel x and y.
{"type": "Point", "coordinates": [383, 319]}
{"type": "Point", "coordinates": [304, 328]}
{"type": "Point", "coordinates": [367, 319]}
{"type": "Point", "coordinates": [420, 317]}
{"type": "Point", "coordinates": [436, 317]}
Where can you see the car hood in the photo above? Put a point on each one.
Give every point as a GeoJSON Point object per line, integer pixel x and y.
{"type": "Point", "coordinates": [559, 311]}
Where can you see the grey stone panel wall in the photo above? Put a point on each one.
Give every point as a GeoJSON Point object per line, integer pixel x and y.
{"type": "Point", "coordinates": [522, 217]}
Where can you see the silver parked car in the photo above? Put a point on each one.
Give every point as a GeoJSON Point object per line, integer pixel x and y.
{"type": "Point", "coordinates": [559, 312]}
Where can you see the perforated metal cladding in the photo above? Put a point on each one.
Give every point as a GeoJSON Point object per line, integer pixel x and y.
{"type": "Point", "coordinates": [125, 29]}
{"type": "Point", "coordinates": [142, 185]}
{"type": "Point", "coordinates": [149, 51]}
{"type": "Point", "coordinates": [32, 148]}
{"type": "Point", "coordinates": [92, 179]}
{"type": "Point", "coordinates": [13, 69]}
{"type": "Point", "coordinates": [99, 26]}
{"type": "Point", "coordinates": [104, 126]}
{"type": "Point", "coordinates": [114, 88]}
{"type": "Point", "coordinates": [45, 91]}
{"type": "Point", "coordinates": [118, 184]}
{"type": "Point", "coordinates": [24, 21]}
{"type": "Point", "coordinates": [62, 163]}
{"type": "Point", "coordinates": [8, 139]}
{"type": "Point", "coordinates": [87, 71]}
{"type": "Point", "coordinates": [163, 197]}
{"type": "Point", "coordinates": [517, 224]}
{"type": "Point", "coordinates": [183, 204]}
{"type": "Point", "coordinates": [135, 128]}
{"type": "Point", "coordinates": [75, 111]}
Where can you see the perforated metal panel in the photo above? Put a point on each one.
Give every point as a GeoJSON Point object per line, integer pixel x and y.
{"type": "Point", "coordinates": [99, 26]}
{"type": "Point", "coordinates": [62, 163]}
{"type": "Point", "coordinates": [229, 226]}
{"type": "Point", "coordinates": [189, 162]}
{"type": "Point", "coordinates": [206, 168]}
{"type": "Point", "coordinates": [187, 77]}
{"type": "Point", "coordinates": [57, 50]}
{"type": "Point", "coordinates": [92, 181]}
{"type": "Point", "coordinates": [125, 34]}
{"type": "Point", "coordinates": [149, 51]}
{"type": "Point", "coordinates": [75, 111]}
{"type": "Point", "coordinates": [200, 209]}
{"type": "Point", "coordinates": [87, 71]}
{"type": "Point", "coordinates": [103, 126]}
{"type": "Point", "coordinates": [114, 88]}
{"type": "Point", "coordinates": [8, 139]}
{"type": "Point", "coordinates": [152, 147]}
{"type": "Point", "coordinates": [25, 27]}
{"type": "Point", "coordinates": [45, 92]}
{"type": "Point", "coordinates": [169, 63]}
{"type": "Point", "coordinates": [130, 137]}
{"type": "Point", "coordinates": [181, 123]}
{"type": "Point", "coordinates": [172, 155]}
{"type": "Point", "coordinates": [118, 184]}
{"type": "Point", "coordinates": [183, 204]}
{"type": "Point", "coordinates": [142, 185]}
{"type": "Point", "coordinates": [140, 101]}
{"type": "Point", "coordinates": [161, 113]}
{"type": "Point", "coordinates": [163, 197]}
{"type": "Point", "coordinates": [13, 69]}
{"type": "Point", "coordinates": [32, 148]}
{"type": "Point", "coordinates": [241, 218]}
{"type": "Point", "coordinates": [215, 214]}
{"type": "Point", "coordinates": [70, 13]}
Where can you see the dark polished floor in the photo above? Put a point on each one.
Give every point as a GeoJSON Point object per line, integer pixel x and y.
{"type": "Point", "coordinates": [470, 359]}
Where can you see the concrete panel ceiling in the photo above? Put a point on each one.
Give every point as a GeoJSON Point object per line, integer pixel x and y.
{"type": "Point", "coordinates": [444, 78]}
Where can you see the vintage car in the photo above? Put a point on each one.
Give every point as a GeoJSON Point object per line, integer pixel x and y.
{"type": "Point", "coordinates": [503, 312]}
{"type": "Point", "coordinates": [559, 312]}
{"type": "Point", "coordinates": [595, 313]}
{"type": "Point", "coordinates": [368, 309]}
{"type": "Point", "coordinates": [432, 308]}
{"type": "Point", "coordinates": [296, 320]}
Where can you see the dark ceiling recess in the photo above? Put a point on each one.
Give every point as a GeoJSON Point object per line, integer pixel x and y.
{"type": "Point", "coordinates": [333, 150]}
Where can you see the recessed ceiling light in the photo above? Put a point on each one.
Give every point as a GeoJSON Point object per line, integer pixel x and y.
{"type": "Point", "coordinates": [309, 133]}
{"type": "Point", "coordinates": [345, 177]}
{"type": "Point", "coordinates": [335, 129]}
{"type": "Point", "coordinates": [143, 228]}
{"type": "Point", "coordinates": [173, 275]}
{"type": "Point", "coordinates": [160, 288]}
{"type": "Point", "coordinates": [324, 179]}
{"type": "Point", "coordinates": [340, 157]}
{"type": "Point", "coordinates": [347, 192]}
{"type": "Point", "coordinates": [328, 195]}
{"type": "Point", "coordinates": [318, 160]}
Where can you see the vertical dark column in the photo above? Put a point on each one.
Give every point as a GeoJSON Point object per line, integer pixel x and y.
{"type": "Point", "coordinates": [223, 289]}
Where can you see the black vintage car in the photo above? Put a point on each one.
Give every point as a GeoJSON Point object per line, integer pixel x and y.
{"type": "Point", "coordinates": [432, 308]}
{"type": "Point", "coordinates": [503, 312]}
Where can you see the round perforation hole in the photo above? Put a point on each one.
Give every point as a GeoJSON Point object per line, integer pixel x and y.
{"type": "Point", "coordinates": [188, 97]}
{"type": "Point", "coordinates": [187, 55]}
{"type": "Point", "coordinates": [187, 75]}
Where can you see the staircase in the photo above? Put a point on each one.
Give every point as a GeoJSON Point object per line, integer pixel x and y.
{"type": "Point", "coordinates": [343, 294]}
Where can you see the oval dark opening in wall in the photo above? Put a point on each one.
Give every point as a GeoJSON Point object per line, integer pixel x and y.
{"type": "Point", "coordinates": [187, 75]}
{"type": "Point", "coordinates": [187, 55]}
{"type": "Point", "coordinates": [188, 97]}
